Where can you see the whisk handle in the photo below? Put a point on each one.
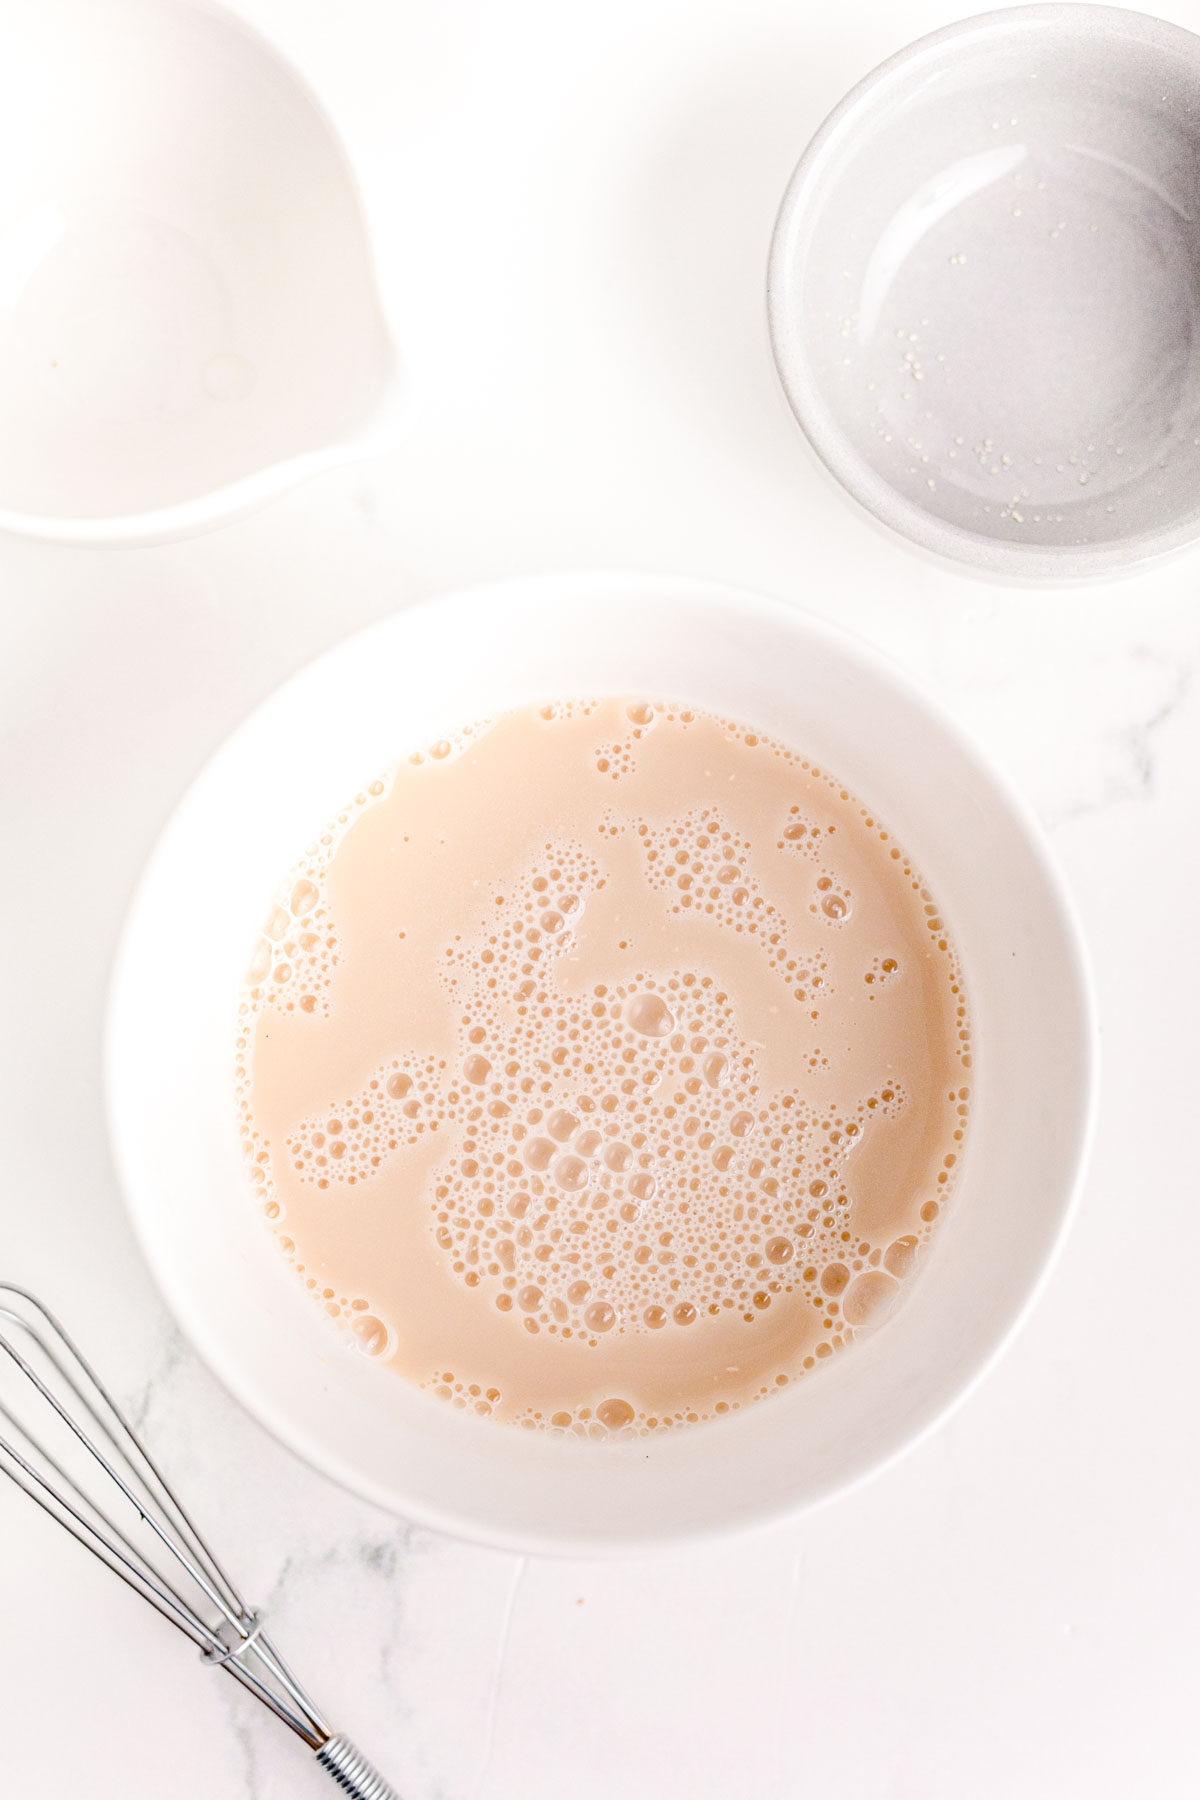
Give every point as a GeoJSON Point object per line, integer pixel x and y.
{"type": "Point", "coordinates": [352, 1772]}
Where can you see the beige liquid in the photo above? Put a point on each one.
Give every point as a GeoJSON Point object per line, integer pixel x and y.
{"type": "Point", "coordinates": [604, 1068]}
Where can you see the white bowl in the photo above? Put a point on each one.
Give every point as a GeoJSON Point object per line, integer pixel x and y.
{"type": "Point", "coordinates": [351, 714]}
{"type": "Point", "coordinates": [984, 291]}
{"type": "Point", "coordinates": [188, 311]}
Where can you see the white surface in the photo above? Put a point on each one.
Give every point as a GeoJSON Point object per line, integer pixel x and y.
{"type": "Point", "coordinates": [1009, 1611]}
{"type": "Point", "coordinates": [473, 655]}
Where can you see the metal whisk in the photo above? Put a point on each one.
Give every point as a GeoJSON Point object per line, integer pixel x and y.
{"type": "Point", "coordinates": [64, 1441]}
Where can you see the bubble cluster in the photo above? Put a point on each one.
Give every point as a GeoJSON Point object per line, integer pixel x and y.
{"type": "Point", "coordinates": [444, 750]}
{"type": "Point", "coordinates": [617, 757]}
{"type": "Point", "coordinates": [298, 948]}
{"type": "Point", "coordinates": [295, 957]}
{"type": "Point", "coordinates": [470, 1396]}
{"type": "Point", "coordinates": [560, 712]}
{"type": "Point", "coordinates": [614, 1161]}
{"type": "Point", "coordinates": [703, 866]}
{"type": "Point", "coordinates": [883, 969]}
{"type": "Point", "coordinates": [802, 837]}
{"type": "Point", "coordinates": [290, 971]}
{"type": "Point", "coordinates": [350, 1143]}
{"type": "Point", "coordinates": [614, 760]}
{"type": "Point", "coordinates": [832, 903]}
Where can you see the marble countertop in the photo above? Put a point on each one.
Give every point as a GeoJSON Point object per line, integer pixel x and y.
{"type": "Point", "coordinates": [576, 207]}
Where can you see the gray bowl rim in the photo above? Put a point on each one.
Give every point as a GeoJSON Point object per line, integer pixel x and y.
{"type": "Point", "coordinates": [950, 543]}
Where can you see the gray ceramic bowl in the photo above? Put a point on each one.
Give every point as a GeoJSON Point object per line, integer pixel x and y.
{"type": "Point", "coordinates": [984, 291]}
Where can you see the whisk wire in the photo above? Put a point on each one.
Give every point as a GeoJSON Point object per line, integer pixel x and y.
{"type": "Point", "coordinates": [301, 1715]}
{"type": "Point", "coordinates": [191, 1552]}
{"type": "Point", "coordinates": [237, 1642]}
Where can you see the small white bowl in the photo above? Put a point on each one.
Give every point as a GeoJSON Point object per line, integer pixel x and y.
{"type": "Point", "coordinates": [290, 767]}
{"type": "Point", "coordinates": [984, 291]}
{"type": "Point", "coordinates": [188, 312]}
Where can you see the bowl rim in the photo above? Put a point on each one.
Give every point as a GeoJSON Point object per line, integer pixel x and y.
{"type": "Point", "coordinates": [305, 1441]}
{"type": "Point", "coordinates": [950, 544]}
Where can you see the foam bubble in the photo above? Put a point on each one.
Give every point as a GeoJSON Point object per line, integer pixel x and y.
{"type": "Point", "coordinates": [900, 1257]}
{"type": "Point", "coordinates": [649, 1015]}
{"type": "Point", "coordinates": [370, 1334]}
{"type": "Point", "coordinates": [615, 1414]}
{"type": "Point", "coordinates": [869, 1298]}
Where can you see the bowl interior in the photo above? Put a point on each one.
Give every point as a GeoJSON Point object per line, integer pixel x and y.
{"type": "Point", "coordinates": [985, 288]}
{"type": "Point", "coordinates": [186, 294]}
{"type": "Point", "coordinates": [169, 1064]}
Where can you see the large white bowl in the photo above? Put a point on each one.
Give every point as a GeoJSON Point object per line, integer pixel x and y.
{"type": "Point", "coordinates": [984, 291]}
{"type": "Point", "coordinates": [291, 766]}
